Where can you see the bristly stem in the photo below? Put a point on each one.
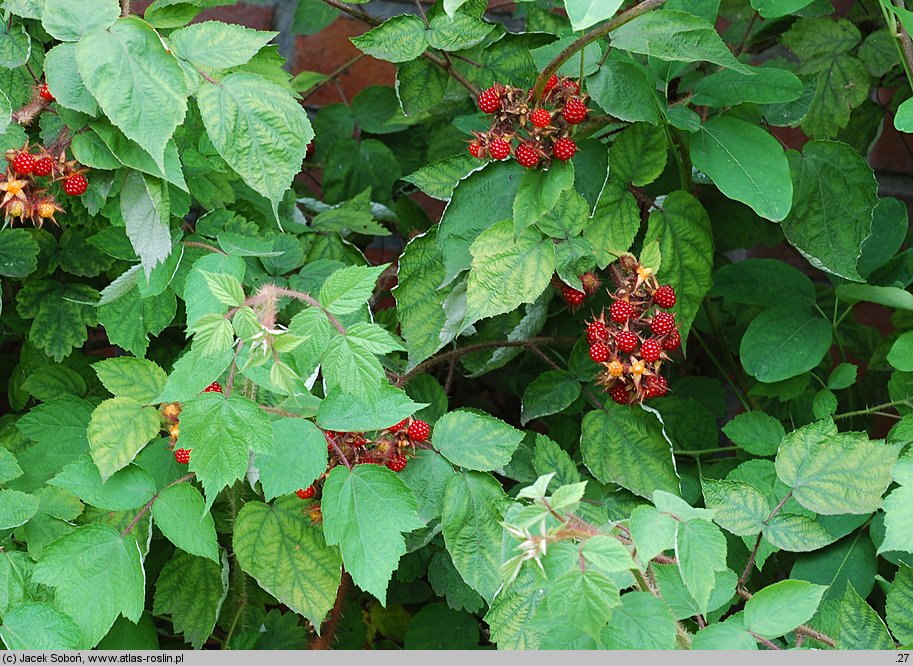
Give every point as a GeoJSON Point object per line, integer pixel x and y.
{"type": "Point", "coordinates": [125, 7]}
{"type": "Point", "coordinates": [148, 505]}
{"type": "Point", "coordinates": [757, 544]}
{"type": "Point", "coordinates": [325, 641]}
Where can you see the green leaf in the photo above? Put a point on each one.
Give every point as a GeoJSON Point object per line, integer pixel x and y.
{"type": "Point", "coordinates": [776, 8]}
{"type": "Point", "coordinates": [137, 83]}
{"type": "Point", "coordinates": [198, 298]}
{"type": "Point", "coordinates": [15, 46]}
{"type": "Point", "coordinates": [765, 85]}
{"type": "Point", "coordinates": [582, 599]}
{"type": "Point", "coordinates": [52, 381]}
{"type": "Point", "coordinates": [365, 509]}
{"type": "Point", "coordinates": [623, 91]}
{"type": "Point", "coordinates": [549, 457]}
{"type": "Point", "coordinates": [586, 13]}
{"type": "Point", "coordinates": [420, 87]}
{"type": "Point", "coordinates": [859, 627]}
{"type": "Point", "coordinates": [96, 575]}
{"type": "Point", "coordinates": [18, 253]}
{"type": "Point", "coordinates": [70, 20]}
{"type": "Point", "coordinates": [899, 606]}
{"type": "Point", "coordinates": [626, 446]}
{"type": "Point", "coordinates": [843, 376]}
{"type": "Point", "coordinates": [130, 488]}
{"type": "Point", "coordinates": [348, 289]}
{"type": "Point", "coordinates": [259, 129]}
{"type": "Point", "coordinates": [130, 320]}
{"type": "Point", "coordinates": [835, 473]}
{"type": "Point", "coordinates": [380, 407]}
{"type": "Point", "coordinates": [728, 635]}
{"type": "Point", "coordinates": [398, 39]}
{"type": "Point", "coordinates": [220, 432]}
{"type": "Point", "coordinates": [135, 378]}
{"type": "Point", "coordinates": [642, 622]}
{"type": "Point", "coordinates": [673, 591]}
{"type": "Point", "coordinates": [38, 626]}
{"type": "Point", "coordinates": [701, 551]}
{"type": "Point", "coordinates": [639, 154]}
{"type": "Point", "coordinates": [834, 194]}
{"type": "Point", "coordinates": [300, 457]}
{"type": "Point", "coordinates": [461, 31]}
{"type": "Point", "coordinates": [145, 209]}
{"type": "Point", "coordinates": [763, 282]}
{"type": "Point", "coordinates": [851, 560]}
{"type": "Point", "coordinates": [539, 192]}
{"type": "Point", "coordinates": [218, 45]}
{"type": "Point", "coordinates": [16, 508]}
{"type": "Point", "coordinates": [427, 476]}
{"type": "Point", "coordinates": [903, 119]}
{"type": "Point", "coordinates": [507, 271]}
{"type": "Point", "coordinates": [682, 229]}
{"type": "Point", "coordinates": [550, 393]}
{"type": "Point", "coordinates": [675, 36]}
{"type": "Point", "coordinates": [756, 432]}
{"type": "Point", "coordinates": [475, 441]}
{"type": "Point", "coordinates": [226, 289]}
{"type": "Point", "coordinates": [437, 627]}
{"type": "Point", "coordinates": [607, 553]}
{"type": "Point", "coordinates": [779, 608]}
{"type": "Point", "coordinates": [615, 223]}
{"type": "Point", "coordinates": [795, 533]}
{"type": "Point", "coordinates": [119, 428]}
{"type": "Point", "coordinates": [892, 297]}
{"type": "Point", "coordinates": [191, 591]}
{"type": "Point", "coordinates": [740, 507]}
{"type": "Point", "coordinates": [191, 374]}
{"type": "Point", "coordinates": [287, 556]}
{"type": "Point", "coordinates": [473, 508]}
{"type": "Point", "coordinates": [439, 179]}
{"type": "Point", "coordinates": [898, 520]}
{"type": "Point", "coordinates": [9, 468]}
{"type": "Point", "coordinates": [746, 163]}
{"type": "Point", "coordinates": [653, 532]}
{"type": "Point", "coordinates": [180, 514]}
{"type": "Point", "coordinates": [784, 342]}
{"type": "Point", "coordinates": [447, 583]}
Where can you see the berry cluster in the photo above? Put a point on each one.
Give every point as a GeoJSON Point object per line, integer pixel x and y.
{"type": "Point", "coordinates": [574, 297]}
{"type": "Point", "coordinates": [540, 130]}
{"type": "Point", "coordinates": [172, 413]}
{"type": "Point", "coordinates": [25, 197]}
{"type": "Point", "coordinates": [632, 342]}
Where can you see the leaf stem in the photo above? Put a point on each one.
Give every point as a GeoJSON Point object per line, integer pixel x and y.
{"type": "Point", "coordinates": [329, 633]}
{"type": "Point", "coordinates": [124, 7]}
{"type": "Point", "coordinates": [205, 246]}
{"type": "Point", "coordinates": [700, 452]}
{"type": "Point", "coordinates": [148, 505]}
{"type": "Point", "coordinates": [757, 544]}
{"type": "Point", "coordinates": [874, 410]}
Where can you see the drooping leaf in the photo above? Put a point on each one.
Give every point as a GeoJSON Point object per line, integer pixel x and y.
{"type": "Point", "coordinates": [191, 591]}
{"type": "Point", "coordinates": [180, 513]}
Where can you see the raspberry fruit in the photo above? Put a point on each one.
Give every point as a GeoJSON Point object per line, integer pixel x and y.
{"type": "Point", "coordinates": [596, 332]}
{"type": "Point", "coordinates": [23, 164]}
{"type": "Point", "coordinates": [664, 297]}
{"type": "Point", "coordinates": [399, 426]}
{"type": "Point", "coordinates": [626, 341]}
{"type": "Point", "coordinates": [599, 352]}
{"type": "Point", "coordinates": [551, 83]}
{"type": "Point", "coordinates": [564, 148]}
{"type": "Point", "coordinates": [572, 86]}
{"type": "Point", "coordinates": [418, 431]}
{"type": "Point", "coordinates": [397, 463]}
{"type": "Point", "coordinates": [574, 111]}
{"type": "Point", "coordinates": [616, 369]}
{"type": "Point", "coordinates": [475, 149]}
{"type": "Point", "coordinates": [305, 493]}
{"type": "Point", "coordinates": [621, 311]}
{"type": "Point", "coordinates": [650, 350]}
{"type": "Point", "coordinates": [182, 456]}
{"type": "Point", "coordinates": [540, 118]}
{"type": "Point", "coordinates": [75, 185]}
{"type": "Point", "coordinates": [16, 209]}
{"type": "Point", "coordinates": [490, 100]}
{"type": "Point", "coordinates": [672, 341]}
{"type": "Point", "coordinates": [215, 387]}
{"type": "Point", "coordinates": [656, 387]}
{"type": "Point", "coordinates": [663, 323]}
{"type": "Point", "coordinates": [46, 210]}
{"type": "Point", "coordinates": [359, 441]}
{"type": "Point", "coordinates": [620, 394]}
{"type": "Point", "coordinates": [43, 167]}
{"type": "Point", "coordinates": [571, 296]}
{"type": "Point", "coordinates": [44, 93]}
{"type": "Point", "coordinates": [527, 155]}
{"type": "Point", "coordinates": [499, 149]}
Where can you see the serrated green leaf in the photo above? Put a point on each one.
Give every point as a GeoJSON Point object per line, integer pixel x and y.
{"type": "Point", "coordinates": [191, 374]}
{"type": "Point", "coordinates": [145, 208]}
{"type": "Point", "coordinates": [639, 154]}
{"type": "Point", "coordinates": [129, 488]}
{"type": "Point", "coordinates": [642, 622]}
{"type": "Point", "coordinates": [96, 575]}
{"type": "Point", "coordinates": [300, 456]}
{"type": "Point", "coordinates": [763, 282]}
{"type": "Point", "coordinates": [607, 553]}
{"type": "Point", "coordinates": [463, 30]}
{"type": "Point", "coordinates": [586, 13]}
{"type": "Point", "coordinates": [191, 591]}
{"type": "Point", "coordinates": [859, 627]}
{"type": "Point", "coordinates": [784, 342]}
{"type": "Point", "coordinates": [614, 224]}
{"type": "Point", "coordinates": [701, 551]}
{"type": "Point", "coordinates": [70, 20]}
{"type": "Point", "coordinates": [756, 432]}
{"type": "Point", "coordinates": [439, 179]}
{"type": "Point", "coordinates": [18, 253]}
{"type": "Point", "coordinates": [781, 607]}
{"type": "Point", "coordinates": [39, 626]}
{"type": "Point", "coordinates": [582, 599]}
{"type": "Point", "coordinates": [16, 508]}
{"type": "Point", "coordinates": [740, 507]}
{"type": "Point", "coordinates": [53, 381]}
{"type": "Point", "coordinates": [549, 457]}
{"type": "Point", "coordinates": [348, 289]}
{"type": "Point", "coordinates": [380, 407]}
{"type": "Point", "coordinates": [180, 514]}
{"type": "Point", "coordinates": [365, 509]}
{"type": "Point", "coordinates": [899, 606]}
{"type": "Point", "coordinates": [420, 87]}
{"type": "Point", "coordinates": [119, 428]}
{"type": "Point", "coordinates": [765, 85]}
{"type": "Point", "coordinates": [538, 193]}
{"type": "Point", "coordinates": [624, 91]}
{"type": "Point", "coordinates": [475, 441]}
{"type": "Point", "coordinates": [398, 39]}
{"type": "Point", "coordinates": [65, 83]}
{"type": "Point", "coordinates": [134, 378]}
{"type": "Point", "coordinates": [795, 533]}
{"type": "Point", "coordinates": [218, 45]}
{"type": "Point", "coordinates": [224, 287]}
{"type": "Point", "coordinates": [549, 393]}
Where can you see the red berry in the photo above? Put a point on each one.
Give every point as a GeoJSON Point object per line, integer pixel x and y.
{"type": "Point", "coordinates": [663, 323]}
{"type": "Point", "coordinates": [621, 311]}
{"type": "Point", "coordinates": [540, 118]}
{"type": "Point", "coordinates": [551, 83]}
{"type": "Point", "coordinates": [572, 86]}
{"type": "Point", "coordinates": [656, 387]}
{"type": "Point", "coordinates": [182, 456]}
{"type": "Point", "coordinates": [596, 332]}
{"type": "Point", "coordinates": [399, 426]}
{"type": "Point", "coordinates": [571, 296]}
{"type": "Point", "coordinates": [396, 463]}
{"type": "Point", "coordinates": [564, 148]}
{"type": "Point", "coordinates": [309, 151]}
{"type": "Point", "coordinates": [44, 93]}
{"type": "Point", "coordinates": [305, 493]}
{"type": "Point", "coordinates": [672, 341]}
{"type": "Point", "coordinates": [527, 155]}
{"type": "Point", "coordinates": [215, 387]}
{"type": "Point", "coordinates": [23, 164]}
{"type": "Point", "coordinates": [664, 297]}
{"type": "Point", "coordinates": [43, 167]}
{"type": "Point", "coordinates": [75, 185]}
{"type": "Point", "coordinates": [626, 341]}
{"type": "Point", "coordinates": [574, 111]}
{"type": "Point", "coordinates": [620, 394]}
{"type": "Point", "coordinates": [358, 441]}
{"type": "Point", "coordinates": [599, 352]}
{"type": "Point", "coordinates": [499, 149]}
{"type": "Point", "coordinates": [490, 100]}
{"type": "Point", "coordinates": [419, 431]}
{"type": "Point", "coordinates": [650, 350]}
{"type": "Point", "coordinates": [475, 149]}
